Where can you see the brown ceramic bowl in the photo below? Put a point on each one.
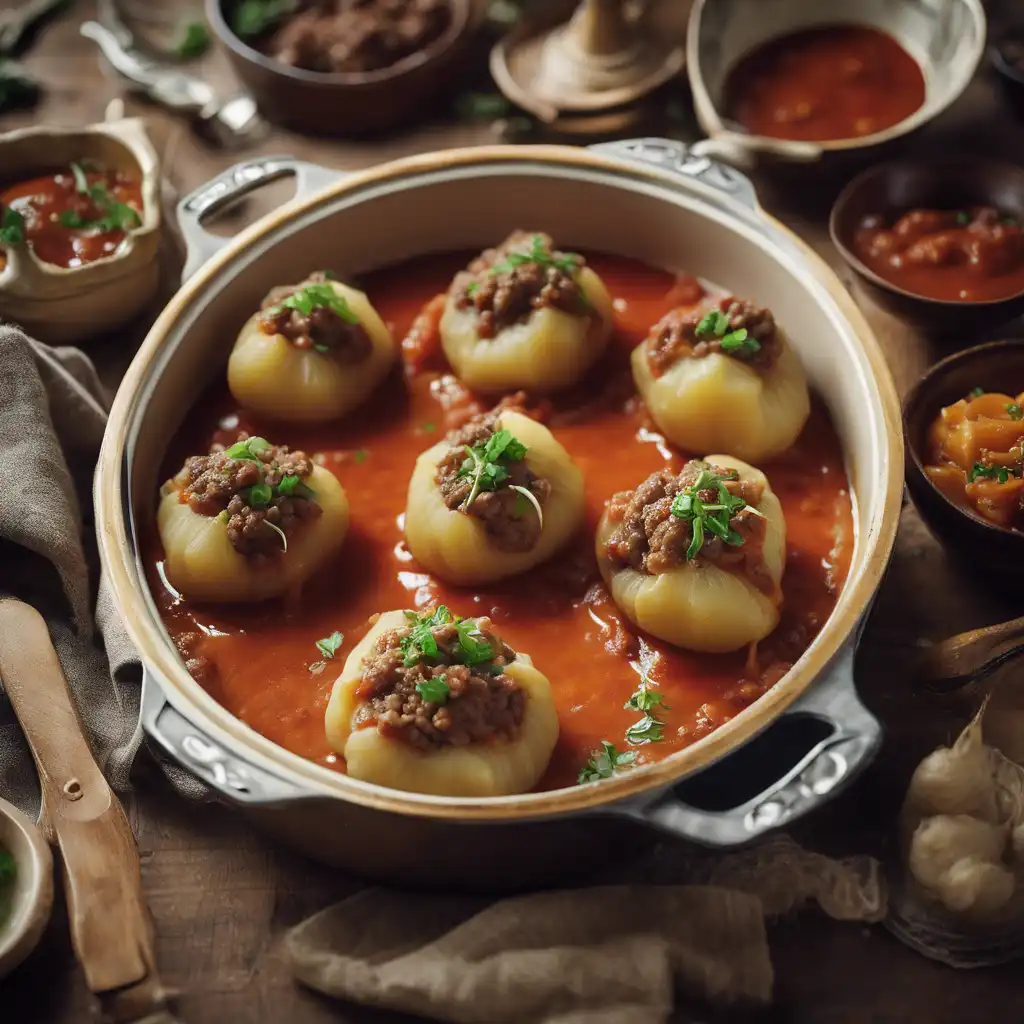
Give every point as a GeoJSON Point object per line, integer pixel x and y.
{"type": "Point", "coordinates": [347, 104]}
{"type": "Point", "coordinates": [890, 190]}
{"type": "Point", "coordinates": [997, 366]}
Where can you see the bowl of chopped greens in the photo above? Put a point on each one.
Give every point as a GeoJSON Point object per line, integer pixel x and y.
{"type": "Point", "coordinates": [26, 886]}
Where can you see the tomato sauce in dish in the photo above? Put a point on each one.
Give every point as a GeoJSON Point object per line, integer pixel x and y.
{"type": "Point", "coordinates": [261, 661]}
{"type": "Point", "coordinates": [968, 255]}
{"type": "Point", "coordinates": [67, 225]}
{"type": "Point", "coordinates": [824, 84]}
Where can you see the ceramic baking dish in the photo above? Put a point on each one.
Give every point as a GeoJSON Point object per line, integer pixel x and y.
{"type": "Point", "coordinates": [657, 203]}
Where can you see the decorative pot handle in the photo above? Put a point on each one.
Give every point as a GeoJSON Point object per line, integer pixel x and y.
{"type": "Point", "coordinates": [854, 736]}
{"type": "Point", "coordinates": [227, 775]}
{"type": "Point", "coordinates": [231, 185]}
{"type": "Point", "coordinates": [686, 161]}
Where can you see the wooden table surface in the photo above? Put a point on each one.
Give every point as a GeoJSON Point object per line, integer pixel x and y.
{"type": "Point", "coordinates": [221, 895]}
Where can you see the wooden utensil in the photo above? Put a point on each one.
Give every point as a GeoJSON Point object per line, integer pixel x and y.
{"type": "Point", "coordinates": [965, 659]}
{"type": "Point", "coordinates": [111, 929]}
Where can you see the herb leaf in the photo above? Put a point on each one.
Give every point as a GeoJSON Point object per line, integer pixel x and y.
{"type": "Point", "coordinates": [604, 763]}
{"type": "Point", "coordinates": [975, 392]}
{"type": "Point", "coordinates": [645, 700]}
{"type": "Point", "coordinates": [540, 254]}
{"type": "Point", "coordinates": [434, 690]}
{"type": "Point", "coordinates": [248, 450]}
{"type": "Point", "coordinates": [998, 473]}
{"type": "Point", "coordinates": [1015, 411]}
{"type": "Point", "coordinates": [8, 867]}
{"type": "Point", "coordinates": [711, 517]}
{"type": "Point", "coordinates": [419, 643]}
{"type": "Point", "coordinates": [114, 215]}
{"type": "Point", "coordinates": [12, 227]}
{"type": "Point", "coordinates": [328, 646]}
{"type": "Point", "coordinates": [316, 296]}
{"type": "Point", "coordinates": [715, 324]}
{"type": "Point", "coordinates": [260, 495]}
{"type": "Point", "coordinates": [253, 17]}
{"type": "Point", "coordinates": [963, 217]}
{"type": "Point", "coordinates": [487, 463]}
{"type": "Point", "coordinates": [647, 730]}
{"type": "Point", "coordinates": [194, 40]}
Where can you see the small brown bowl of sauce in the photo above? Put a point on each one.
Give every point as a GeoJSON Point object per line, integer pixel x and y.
{"type": "Point", "coordinates": [964, 434]}
{"type": "Point", "coordinates": [79, 227]}
{"type": "Point", "coordinates": [938, 243]}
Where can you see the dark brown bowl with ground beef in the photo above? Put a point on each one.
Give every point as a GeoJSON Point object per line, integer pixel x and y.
{"type": "Point", "coordinates": [347, 67]}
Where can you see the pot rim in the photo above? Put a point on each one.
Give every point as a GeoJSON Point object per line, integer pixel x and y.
{"type": "Point", "coordinates": [113, 513]}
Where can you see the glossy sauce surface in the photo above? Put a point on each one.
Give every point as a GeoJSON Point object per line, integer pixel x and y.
{"type": "Point", "coordinates": [975, 254]}
{"type": "Point", "coordinates": [257, 661]}
{"type": "Point", "coordinates": [41, 201]}
{"type": "Point", "coordinates": [823, 84]}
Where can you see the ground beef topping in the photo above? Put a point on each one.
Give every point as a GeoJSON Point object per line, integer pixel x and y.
{"type": "Point", "coordinates": [505, 285]}
{"type": "Point", "coordinates": [441, 681]}
{"type": "Point", "coordinates": [485, 475]}
{"type": "Point", "coordinates": [731, 326]}
{"type": "Point", "coordinates": [315, 316]}
{"type": "Point", "coordinates": [671, 519]}
{"type": "Point", "coordinates": [256, 488]}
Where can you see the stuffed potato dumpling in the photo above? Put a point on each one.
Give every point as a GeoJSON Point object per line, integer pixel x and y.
{"type": "Point", "coordinates": [696, 558]}
{"type": "Point", "coordinates": [440, 705]}
{"type": "Point", "coordinates": [493, 499]}
{"type": "Point", "coordinates": [723, 379]}
{"type": "Point", "coordinates": [248, 523]}
{"type": "Point", "coordinates": [525, 316]}
{"type": "Point", "coordinates": [314, 352]}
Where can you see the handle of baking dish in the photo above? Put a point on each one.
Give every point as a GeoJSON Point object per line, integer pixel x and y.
{"type": "Point", "coordinates": [230, 186]}
{"type": "Point", "coordinates": [852, 736]}
{"type": "Point", "coordinates": [688, 161]}
{"type": "Point", "coordinates": [229, 776]}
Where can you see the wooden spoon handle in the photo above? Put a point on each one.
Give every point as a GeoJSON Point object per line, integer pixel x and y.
{"type": "Point", "coordinates": [964, 655]}
{"type": "Point", "coordinates": [111, 929]}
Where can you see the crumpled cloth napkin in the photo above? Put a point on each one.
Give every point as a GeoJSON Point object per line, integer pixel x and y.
{"type": "Point", "coordinates": [613, 953]}
{"type": "Point", "coordinates": [53, 410]}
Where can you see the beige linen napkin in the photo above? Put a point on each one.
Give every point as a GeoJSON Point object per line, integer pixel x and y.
{"type": "Point", "coordinates": [614, 953]}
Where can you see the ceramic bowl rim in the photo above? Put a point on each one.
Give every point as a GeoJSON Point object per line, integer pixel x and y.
{"type": "Point", "coordinates": [23, 929]}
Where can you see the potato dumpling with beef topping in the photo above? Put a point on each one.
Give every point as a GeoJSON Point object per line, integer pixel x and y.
{"type": "Point", "coordinates": [525, 316]}
{"type": "Point", "coordinates": [725, 378]}
{"type": "Point", "coordinates": [248, 523]}
{"type": "Point", "coordinates": [696, 558]}
{"type": "Point", "coordinates": [493, 499]}
{"type": "Point", "coordinates": [440, 705]}
{"type": "Point", "coordinates": [314, 352]}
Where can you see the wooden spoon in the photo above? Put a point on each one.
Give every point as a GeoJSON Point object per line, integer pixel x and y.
{"type": "Point", "coordinates": [965, 659]}
{"type": "Point", "coordinates": [111, 929]}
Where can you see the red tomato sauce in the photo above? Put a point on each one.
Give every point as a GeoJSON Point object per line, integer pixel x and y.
{"type": "Point", "coordinates": [822, 84]}
{"type": "Point", "coordinates": [42, 202]}
{"type": "Point", "coordinates": [256, 660]}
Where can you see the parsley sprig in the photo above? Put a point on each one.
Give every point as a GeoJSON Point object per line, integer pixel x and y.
{"type": "Point", "coordinates": [715, 324]}
{"type": "Point", "coordinates": [420, 644]}
{"type": "Point", "coordinates": [713, 517]}
{"type": "Point", "coordinates": [114, 215]}
{"type": "Point", "coordinates": [538, 253]}
{"type": "Point", "coordinates": [650, 728]}
{"type": "Point", "coordinates": [434, 690]}
{"type": "Point", "coordinates": [486, 464]}
{"type": "Point", "coordinates": [998, 473]}
{"type": "Point", "coordinates": [12, 227]}
{"type": "Point", "coordinates": [316, 296]}
{"type": "Point", "coordinates": [329, 645]}
{"type": "Point", "coordinates": [605, 762]}
{"type": "Point", "coordinates": [1014, 410]}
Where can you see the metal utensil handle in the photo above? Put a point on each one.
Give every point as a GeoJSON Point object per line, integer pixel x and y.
{"type": "Point", "coordinates": [681, 159]}
{"type": "Point", "coordinates": [231, 185]}
{"type": "Point", "coordinates": [815, 778]}
{"type": "Point", "coordinates": [227, 775]}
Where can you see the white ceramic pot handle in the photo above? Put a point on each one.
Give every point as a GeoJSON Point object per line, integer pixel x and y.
{"type": "Point", "coordinates": [231, 185]}
{"type": "Point", "coordinates": [807, 779]}
{"type": "Point", "coordinates": [687, 162]}
{"type": "Point", "coordinates": [183, 743]}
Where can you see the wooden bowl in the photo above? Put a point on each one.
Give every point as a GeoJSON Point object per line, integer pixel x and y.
{"type": "Point", "coordinates": [33, 887]}
{"type": "Point", "coordinates": [62, 305]}
{"type": "Point", "coordinates": [993, 551]}
{"type": "Point", "coordinates": [356, 103]}
{"type": "Point", "coordinates": [891, 189]}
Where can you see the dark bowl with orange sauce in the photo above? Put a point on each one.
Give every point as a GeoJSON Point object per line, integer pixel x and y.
{"type": "Point", "coordinates": [945, 297]}
{"type": "Point", "coordinates": [994, 551]}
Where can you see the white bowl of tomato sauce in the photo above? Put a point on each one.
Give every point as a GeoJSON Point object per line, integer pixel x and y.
{"type": "Point", "coordinates": [79, 227]}
{"type": "Point", "coordinates": [800, 80]}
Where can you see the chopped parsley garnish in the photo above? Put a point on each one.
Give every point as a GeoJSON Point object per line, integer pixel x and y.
{"type": "Point", "coordinates": [605, 762]}
{"type": "Point", "coordinates": [649, 729]}
{"type": "Point", "coordinates": [645, 700]}
{"type": "Point", "coordinates": [419, 643]}
{"type": "Point", "coordinates": [998, 473]}
{"type": "Point", "coordinates": [712, 517]}
{"type": "Point", "coordinates": [329, 645]}
{"type": "Point", "coordinates": [486, 464]}
{"type": "Point", "coordinates": [434, 690]}
{"type": "Point", "coordinates": [194, 40]}
{"type": "Point", "coordinates": [292, 486]}
{"type": "Point", "coordinates": [254, 17]}
{"type": "Point", "coordinates": [975, 392]}
{"type": "Point", "coordinates": [359, 455]}
{"type": "Point", "coordinates": [428, 428]}
{"type": "Point", "coordinates": [538, 253]}
{"type": "Point", "coordinates": [1015, 411]}
{"type": "Point", "coordinates": [114, 215]}
{"type": "Point", "coordinates": [316, 296]}
{"type": "Point", "coordinates": [963, 217]}
{"type": "Point", "coordinates": [715, 324]}
{"type": "Point", "coordinates": [12, 227]}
